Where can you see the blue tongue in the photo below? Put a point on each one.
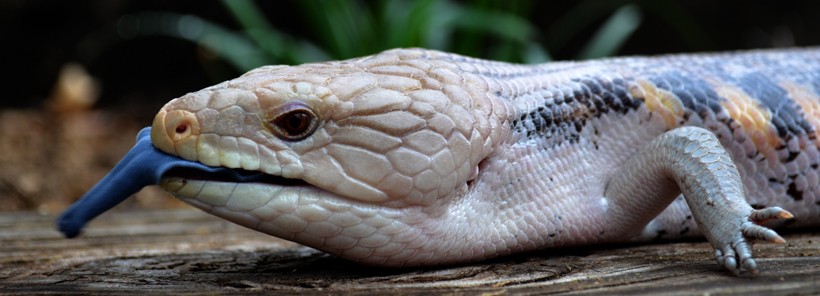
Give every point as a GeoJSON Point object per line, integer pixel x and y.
{"type": "Point", "coordinates": [144, 165]}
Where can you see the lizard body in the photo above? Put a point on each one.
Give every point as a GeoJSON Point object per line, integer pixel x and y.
{"type": "Point", "coordinates": [417, 157]}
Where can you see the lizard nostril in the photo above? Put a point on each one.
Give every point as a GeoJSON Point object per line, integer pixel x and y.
{"type": "Point", "coordinates": [174, 130]}
{"type": "Point", "coordinates": [183, 128]}
{"type": "Point", "coordinates": [181, 125]}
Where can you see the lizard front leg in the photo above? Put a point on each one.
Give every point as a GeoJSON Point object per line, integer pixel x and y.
{"type": "Point", "coordinates": [692, 162]}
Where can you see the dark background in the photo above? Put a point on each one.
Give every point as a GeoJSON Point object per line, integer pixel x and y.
{"type": "Point", "coordinates": [39, 37]}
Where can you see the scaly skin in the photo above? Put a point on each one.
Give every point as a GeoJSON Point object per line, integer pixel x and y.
{"type": "Point", "coordinates": [417, 157]}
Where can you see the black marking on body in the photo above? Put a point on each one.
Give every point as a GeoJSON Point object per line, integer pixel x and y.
{"type": "Point", "coordinates": [698, 99]}
{"type": "Point", "coordinates": [792, 155]}
{"type": "Point", "coordinates": [791, 187]}
{"type": "Point", "coordinates": [785, 116]}
{"type": "Point", "coordinates": [563, 116]}
{"type": "Point", "coordinates": [792, 191]}
{"type": "Point", "coordinates": [695, 94]}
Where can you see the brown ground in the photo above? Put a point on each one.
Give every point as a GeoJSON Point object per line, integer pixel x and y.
{"type": "Point", "coordinates": [188, 252]}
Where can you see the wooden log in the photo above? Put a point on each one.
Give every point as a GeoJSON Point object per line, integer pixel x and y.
{"type": "Point", "coordinates": [189, 252]}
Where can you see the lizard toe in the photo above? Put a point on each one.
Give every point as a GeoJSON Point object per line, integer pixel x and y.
{"type": "Point", "coordinates": [754, 231]}
{"type": "Point", "coordinates": [744, 256]}
{"type": "Point", "coordinates": [726, 258]}
{"type": "Point", "coordinates": [736, 257]}
{"type": "Point", "coordinates": [767, 214]}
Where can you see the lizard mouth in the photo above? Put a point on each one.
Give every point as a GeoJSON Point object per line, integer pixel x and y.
{"type": "Point", "coordinates": [228, 193]}
{"type": "Point", "coordinates": [231, 176]}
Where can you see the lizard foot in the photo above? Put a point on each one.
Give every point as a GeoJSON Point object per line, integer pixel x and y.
{"type": "Point", "coordinates": [736, 253]}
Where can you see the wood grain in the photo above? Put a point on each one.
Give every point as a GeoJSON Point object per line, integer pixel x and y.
{"type": "Point", "coordinates": [184, 252]}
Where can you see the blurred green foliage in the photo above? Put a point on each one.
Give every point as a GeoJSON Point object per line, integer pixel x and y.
{"type": "Point", "coordinates": [498, 30]}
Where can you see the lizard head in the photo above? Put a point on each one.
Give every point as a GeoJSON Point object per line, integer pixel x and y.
{"type": "Point", "coordinates": [360, 156]}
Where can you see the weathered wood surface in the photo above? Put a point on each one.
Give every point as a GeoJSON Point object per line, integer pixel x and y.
{"type": "Point", "coordinates": [188, 252]}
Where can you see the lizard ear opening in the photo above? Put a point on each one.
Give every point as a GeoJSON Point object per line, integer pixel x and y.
{"type": "Point", "coordinates": [293, 121]}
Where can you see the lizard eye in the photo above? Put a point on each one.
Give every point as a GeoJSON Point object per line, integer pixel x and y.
{"type": "Point", "coordinates": [295, 121]}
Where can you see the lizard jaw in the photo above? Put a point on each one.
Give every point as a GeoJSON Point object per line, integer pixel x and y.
{"type": "Point", "coordinates": [309, 216]}
{"type": "Point", "coordinates": [234, 189]}
{"type": "Point", "coordinates": [250, 204]}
